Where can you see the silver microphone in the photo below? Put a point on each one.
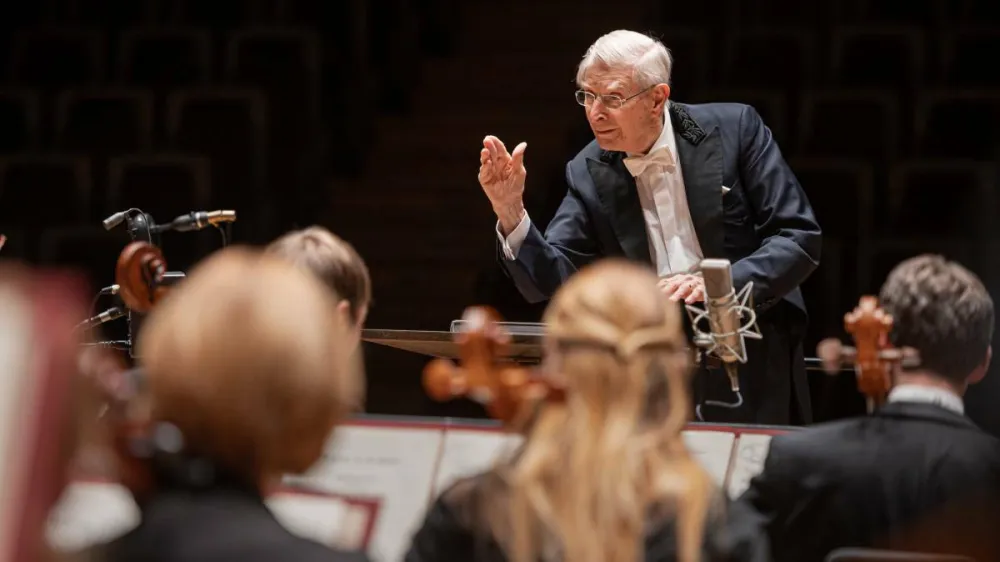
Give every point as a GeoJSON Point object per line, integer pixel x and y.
{"type": "Point", "coordinates": [730, 315]}
{"type": "Point", "coordinates": [106, 316]}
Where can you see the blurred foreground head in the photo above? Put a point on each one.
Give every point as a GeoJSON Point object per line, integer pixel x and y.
{"type": "Point", "coordinates": [596, 468]}
{"type": "Point", "coordinates": [248, 359]}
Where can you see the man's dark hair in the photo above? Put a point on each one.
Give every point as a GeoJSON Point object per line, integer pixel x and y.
{"type": "Point", "coordinates": [943, 311]}
{"type": "Point", "coordinates": [332, 259]}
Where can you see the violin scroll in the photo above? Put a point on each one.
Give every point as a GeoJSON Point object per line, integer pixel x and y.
{"type": "Point", "coordinates": [484, 374]}
{"type": "Point", "coordinates": [139, 274]}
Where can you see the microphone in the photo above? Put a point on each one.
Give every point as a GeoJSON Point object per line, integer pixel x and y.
{"type": "Point", "coordinates": [199, 220]}
{"type": "Point", "coordinates": [730, 315]}
{"type": "Point", "coordinates": [110, 290]}
{"type": "Point", "coordinates": [106, 316]}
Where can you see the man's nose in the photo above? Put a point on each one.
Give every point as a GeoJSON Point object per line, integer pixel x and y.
{"type": "Point", "coordinates": [597, 111]}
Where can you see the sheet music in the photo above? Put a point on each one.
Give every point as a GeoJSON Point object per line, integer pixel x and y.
{"type": "Point", "coordinates": [712, 449]}
{"type": "Point", "coordinates": [394, 465]}
{"type": "Point", "coordinates": [317, 517]}
{"type": "Point", "coordinates": [91, 513]}
{"type": "Point", "coordinates": [466, 452]}
{"type": "Point", "coordinates": [748, 461]}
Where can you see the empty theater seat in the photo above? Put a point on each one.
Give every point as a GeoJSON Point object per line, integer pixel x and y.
{"type": "Point", "coordinates": [104, 120]}
{"type": "Point", "coordinates": [769, 57]}
{"type": "Point", "coordinates": [89, 249]}
{"type": "Point", "coordinates": [217, 14]}
{"type": "Point", "coordinates": [962, 49]}
{"type": "Point", "coordinates": [58, 57]}
{"type": "Point", "coordinates": [20, 115]}
{"type": "Point", "coordinates": [877, 56]}
{"type": "Point", "coordinates": [829, 124]}
{"type": "Point", "coordinates": [164, 184]}
{"type": "Point", "coordinates": [38, 190]}
{"type": "Point", "coordinates": [957, 124]}
{"type": "Point", "coordinates": [228, 125]}
{"type": "Point", "coordinates": [940, 197]}
{"type": "Point", "coordinates": [165, 58]}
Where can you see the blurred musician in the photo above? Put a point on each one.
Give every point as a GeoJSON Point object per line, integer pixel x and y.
{"type": "Point", "coordinates": [604, 475]}
{"type": "Point", "coordinates": [336, 263]}
{"type": "Point", "coordinates": [862, 482]}
{"type": "Point", "coordinates": [246, 375]}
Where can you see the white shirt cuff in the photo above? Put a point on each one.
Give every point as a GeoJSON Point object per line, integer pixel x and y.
{"type": "Point", "coordinates": [512, 244]}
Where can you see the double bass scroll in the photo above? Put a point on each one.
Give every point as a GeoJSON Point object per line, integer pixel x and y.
{"type": "Point", "coordinates": [503, 387]}
{"type": "Point", "coordinates": [873, 357]}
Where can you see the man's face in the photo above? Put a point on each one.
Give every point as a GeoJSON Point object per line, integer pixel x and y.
{"type": "Point", "coordinates": [634, 126]}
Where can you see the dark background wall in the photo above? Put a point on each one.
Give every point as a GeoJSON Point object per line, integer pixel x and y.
{"type": "Point", "coordinates": [367, 117]}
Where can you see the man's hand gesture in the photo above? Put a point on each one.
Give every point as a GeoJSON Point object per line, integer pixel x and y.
{"type": "Point", "coordinates": [501, 174]}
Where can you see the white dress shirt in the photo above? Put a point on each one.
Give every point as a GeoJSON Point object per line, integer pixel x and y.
{"type": "Point", "coordinates": [927, 395]}
{"type": "Point", "coordinates": [673, 244]}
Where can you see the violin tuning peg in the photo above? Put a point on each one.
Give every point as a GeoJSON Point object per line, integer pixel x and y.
{"type": "Point", "coordinates": [442, 380]}
{"type": "Point", "coordinates": [830, 352]}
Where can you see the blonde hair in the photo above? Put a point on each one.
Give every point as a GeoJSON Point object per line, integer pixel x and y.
{"type": "Point", "coordinates": [648, 59]}
{"type": "Point", "coordinates": [598, 469]}
{"type": "Point", "coordinates": [248, 359]}
{"type": "Point", "coordinates": [333, 260]}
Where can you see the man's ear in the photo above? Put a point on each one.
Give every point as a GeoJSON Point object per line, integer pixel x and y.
{"type": "Point", "coordinates": [661, 93]}
{"type": "Point", "coordinates": [979, 373]}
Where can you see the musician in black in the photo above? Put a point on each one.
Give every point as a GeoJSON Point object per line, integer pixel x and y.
{"type": "Point", "coordinates": [914, 474]}
{"type": "Point", "coordinates": [603, 474]}
{"type": "Point", "coordinates": [247, 372]}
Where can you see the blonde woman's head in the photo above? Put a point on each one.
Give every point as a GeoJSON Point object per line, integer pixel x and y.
{"type": "Point", "coordinates": [595, 468]}
{"type": "Point", "coordinates": [248, 359]}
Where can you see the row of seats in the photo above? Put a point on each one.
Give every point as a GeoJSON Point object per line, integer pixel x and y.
{"type": "Point", "coordinates": [874, 124]}
{"type": "Point", "coordinates": [855, 55]}
{"type": "Point", "coordinates": [733, 13]}
{"type": "Point", "coordinates": [850, 123]}
{"type": "Point", "coordinates": [841, 190]}
{"type": "Point", "coordinates": [860, 55]}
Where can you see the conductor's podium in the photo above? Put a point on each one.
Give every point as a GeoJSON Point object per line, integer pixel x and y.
{"type": "Point", "coordinates": [379, 475]}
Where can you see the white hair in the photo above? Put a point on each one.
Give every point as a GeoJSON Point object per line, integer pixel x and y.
{"type": "Point", "coordinates": [648, 59]}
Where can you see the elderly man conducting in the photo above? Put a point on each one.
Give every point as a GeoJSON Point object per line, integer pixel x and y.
{"type": "Point", "coordinates": [669, 184]}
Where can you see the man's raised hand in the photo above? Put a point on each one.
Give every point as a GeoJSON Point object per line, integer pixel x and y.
{"type": "Point", "coordinates": [501, 175]}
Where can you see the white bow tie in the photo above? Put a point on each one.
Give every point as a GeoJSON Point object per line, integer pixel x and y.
{"type": "Point", "coordinates": [660, 157]}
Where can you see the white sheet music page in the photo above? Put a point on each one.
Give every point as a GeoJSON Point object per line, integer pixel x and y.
{"type": "Point", "coordinates": [394, 465]}
{"type": "Point", "coordinates": [751, 451]}
{"type": "Point", "coordinates": [712, 449]}
{"type": "Point", "coordinates": [91, 513]}
{"type": "Point", "coordinates": [470, 451]}
{"type": "Point", "coordinates": [316, 517]}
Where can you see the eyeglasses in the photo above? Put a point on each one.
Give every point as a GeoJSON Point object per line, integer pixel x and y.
{"type": "Point", "coordinates": [610, 101]}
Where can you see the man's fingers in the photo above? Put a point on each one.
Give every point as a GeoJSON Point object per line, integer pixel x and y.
{"type": "Point", "coordinates": [517, 158]}
{"type": "Point", "coordinates": [697, 295]}
{"type": "Point", "coordinates": [484, 156]}
{"type": "Point", "coordinates": [490, 143]}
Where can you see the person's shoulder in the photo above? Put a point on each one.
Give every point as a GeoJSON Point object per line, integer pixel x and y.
{"type": "Point", "coordinates": [592, 151]}
{"type": "Point", "coordinates": [815, 439]}
{"type": "Point", "coordinates": [723, 114]}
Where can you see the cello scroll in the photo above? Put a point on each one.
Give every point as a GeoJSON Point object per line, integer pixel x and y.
{"type": "Point", "coordinates": [140, 275]}
{"type": "Point", "coordinates": [484, 375]}
{"type": "Point", "coordinates": [873, 357]}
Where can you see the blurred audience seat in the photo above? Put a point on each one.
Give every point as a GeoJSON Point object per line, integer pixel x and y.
{"type": "Point", "coordinates": [89, 249]}
{"type": "Point", "coordinates": [886, 253]}
{"type": "Point", "coordinates": [228, 125]}
{"type": "Point", "coordinates": [877, 56]}
{"type": "Point", "coordinates": [104, 121]}
{"type": "Point", "coordinates": [19, 120]}
{"type": "Point", "coordinates": [165, 58]}
{"type": "Point", "coordinates": [841, 193]}
{"type": "Point", "coordinates": [692, 54]}
{"type": "Point", "coordinates": [974, 11]}
{"type": "Point", "coordinates": [849, 123]}
{"type": "Point", "coordinates": [53, 58]}
{"type": "Point", "coordinates": [164, 184]}
{"type": "Point", "coordinates": [962, 52]}
{"type": "Point", "coordinates": [770, 57]}
{"type": "Point", "coordinates": [771, 105]}
{"type": "Point", "coordinates": [957, 123]}
{"type": "Point", "coordinates": [918, 12]}
{"type": "Point", "coordinates": [948, 198]}
{"type": "Point", "coordinates": [113, 14]}
{"type": "Point", "coordinates": [786, 12]}
{"type": "Point", "coordinates": [41, 190]}
{"type": "Point", "coordinates": [217, 14]}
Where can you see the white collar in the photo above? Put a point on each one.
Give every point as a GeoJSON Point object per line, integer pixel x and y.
{"type": "Point", "coordinates": [928, 395]}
